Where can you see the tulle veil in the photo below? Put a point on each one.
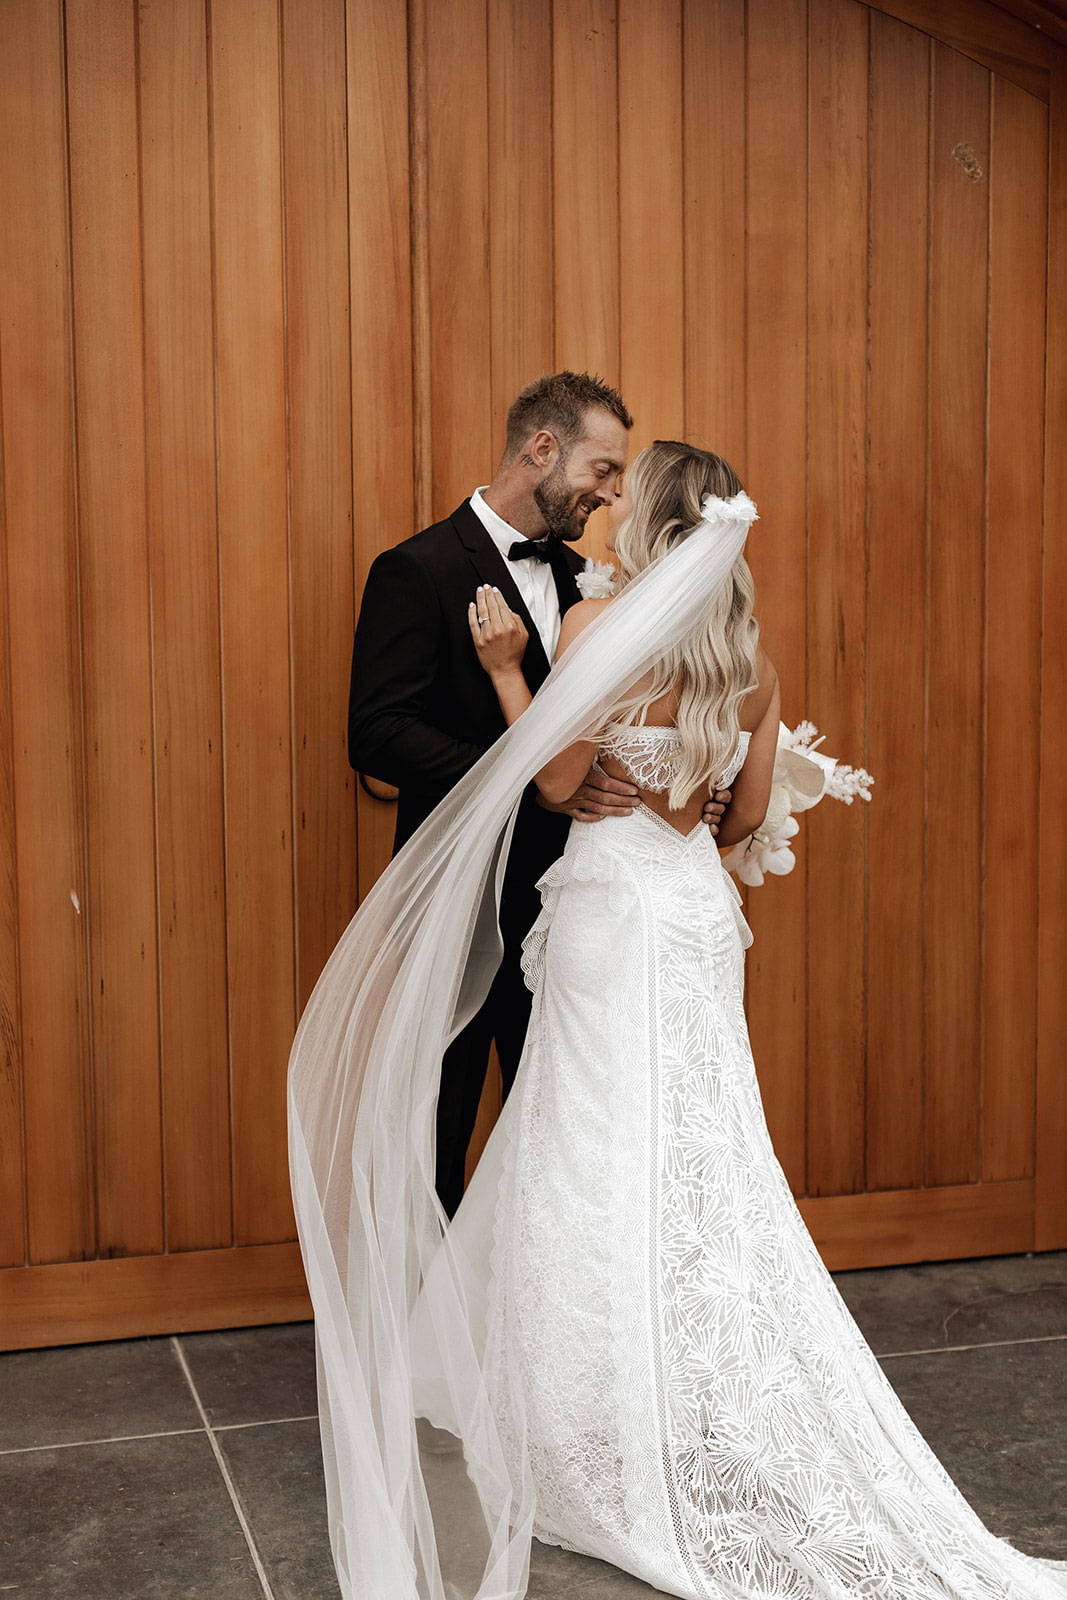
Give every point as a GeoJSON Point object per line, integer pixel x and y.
{"type": "Point", "coordinates": [409, 1521]}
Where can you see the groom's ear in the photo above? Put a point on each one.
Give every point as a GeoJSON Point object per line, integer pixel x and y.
{"type": "Point", "coordinates": [542, 447]}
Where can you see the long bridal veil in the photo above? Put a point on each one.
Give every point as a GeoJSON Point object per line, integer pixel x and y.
{"type": "Point", "coordinates": [407, 1521]}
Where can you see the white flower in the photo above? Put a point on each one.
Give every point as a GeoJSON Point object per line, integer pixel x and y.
{"type": "Point", "coordinates": [597, 580]}
{"type": "Point", "coordinates": [802, 776]}
{"type": "Point", "coordinates": [763, 852]}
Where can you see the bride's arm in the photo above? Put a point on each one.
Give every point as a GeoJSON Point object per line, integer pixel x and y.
{"type": "Point", "coordinates": [751, 790]}
{"type": "Point", "coordinates": [500, 642]}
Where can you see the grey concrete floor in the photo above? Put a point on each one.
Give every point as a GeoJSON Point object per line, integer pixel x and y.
{"type": "Point", "coordinates": [173, 1468]}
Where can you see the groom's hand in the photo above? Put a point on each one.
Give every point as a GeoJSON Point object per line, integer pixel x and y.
{"type": "Point", "coordinates": [714, 808]}
{"type": "Point", "coordinates": [598, 796]}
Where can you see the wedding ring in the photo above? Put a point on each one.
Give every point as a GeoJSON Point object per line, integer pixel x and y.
{"type": "Point", "coordinates": [483, 619]}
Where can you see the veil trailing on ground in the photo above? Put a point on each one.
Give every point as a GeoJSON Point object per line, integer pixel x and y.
{"type": "Point", "coordinates": [407, 1521]}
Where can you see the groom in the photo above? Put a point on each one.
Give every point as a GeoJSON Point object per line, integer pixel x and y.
{"type": "Point", "coordinates": [422, 711]}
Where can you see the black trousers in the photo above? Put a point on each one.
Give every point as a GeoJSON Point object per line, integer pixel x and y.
{"type": "Point", "coordinates": [503, 1019]}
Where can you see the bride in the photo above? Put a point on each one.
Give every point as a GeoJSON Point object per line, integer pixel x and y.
{"type": "Point", "coordinates": [625, 1343]}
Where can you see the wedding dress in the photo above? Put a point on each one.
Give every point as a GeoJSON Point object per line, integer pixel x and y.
{"type": "Point", "coordinates": [699, 1407]}
{"type": "Point", "coordinates": [626, 1330]}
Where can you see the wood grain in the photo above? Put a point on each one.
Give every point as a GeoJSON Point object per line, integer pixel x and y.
{"type": "Point", "coordinates": [12, 1144]}
{"type": "Point", "coordinates": [47, 1068]}
{"type": "Point", "coordinates": [1011, 865]}
{"type": "Point", "coordinates": [254, 576]}
{"type": "Point", "coordinates": [837, 604]}
{"type": "Point", "coordinates": [321, 558]}
{"type": "Point", "coordinates": [114, 582]}
{"type": "Point", "coordinates": [178, 1292]}
{"type": "Point", "coordinates": [652, 348]}
{"type": "Point", "coordinates": [896, 589]}
{"type": "Point", "coordinates": [585, 162]}
{"type": "Point", "coordinates": [713, 233]}
{"type": "Point", "coordinates": [998, 42]}
{"type": "Point", "coordinates": [1050, 1207]}
{"type": "Point", "coordinates": [183, 544]}
{"type": "Point", "coordinates": [959, 221]}
{"type": "Point", "coordinates": [457, 233]}
{"type": "Point", "coordinates": [776, 333]}
{"type": "Point", "coordinates": [521, 236]}
{"type": "Point", "coordinates": [385, 475]}
{"type": "Point", "coordinates": [270, 322]}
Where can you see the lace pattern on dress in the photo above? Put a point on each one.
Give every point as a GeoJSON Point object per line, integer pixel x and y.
{"type": "Point", "coordinates": [647, 753]}
{"type": "Point", "coordinates": [704, 1411]}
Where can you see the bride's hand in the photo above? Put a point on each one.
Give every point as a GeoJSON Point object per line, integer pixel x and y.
{"type": "Point", "coordinates": [499, 634]}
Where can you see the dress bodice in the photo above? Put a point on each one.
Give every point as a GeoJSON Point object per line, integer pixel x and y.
{"type": "Point", "coordinates": [647, 753]}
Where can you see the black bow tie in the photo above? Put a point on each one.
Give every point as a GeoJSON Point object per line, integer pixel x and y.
{"type": "Point", "coordinates": [541, 548]}
{"type": "Point", "coordinates": [554, 551]}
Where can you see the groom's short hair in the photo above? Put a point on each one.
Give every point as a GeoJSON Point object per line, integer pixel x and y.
{"type": "Point", "coordinates": [559, 401]}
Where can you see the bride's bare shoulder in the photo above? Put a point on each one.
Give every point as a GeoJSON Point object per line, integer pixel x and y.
{"type": "Point", "coordinates": [768, 675]}
{"type": "Point", "coordinates": [577, 617]}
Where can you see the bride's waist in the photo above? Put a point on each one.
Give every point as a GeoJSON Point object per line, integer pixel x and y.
{"type": "Point", "coordinates": [623, 833]}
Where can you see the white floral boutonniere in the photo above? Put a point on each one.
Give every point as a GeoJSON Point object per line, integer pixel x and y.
{"type": "Point", "coordinates": [597, 580]}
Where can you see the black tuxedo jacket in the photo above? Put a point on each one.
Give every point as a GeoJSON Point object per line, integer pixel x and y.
{"type": "Point", "coordinates": [422, 709]}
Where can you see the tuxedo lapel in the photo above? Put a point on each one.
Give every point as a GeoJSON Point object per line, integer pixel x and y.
{"type": "Point", "coordinates": [489, 566]}
{"type": "Point", "coordinates": [566, 583]}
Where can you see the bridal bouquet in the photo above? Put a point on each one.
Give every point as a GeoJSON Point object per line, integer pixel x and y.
{"type": "Point", "coordinates": [802, 775]}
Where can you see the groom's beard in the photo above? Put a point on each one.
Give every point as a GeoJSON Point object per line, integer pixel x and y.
{"type": "Point", "coordinates": [561, 509]}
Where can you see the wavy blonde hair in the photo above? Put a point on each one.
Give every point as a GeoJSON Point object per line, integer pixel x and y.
{"type": "Point", "coordinates": [716, 663]}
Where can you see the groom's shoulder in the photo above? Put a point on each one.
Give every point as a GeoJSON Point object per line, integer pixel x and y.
{"type": "Point", "coordinates": [434, 547]}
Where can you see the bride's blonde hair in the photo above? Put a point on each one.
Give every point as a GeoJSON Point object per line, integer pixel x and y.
{"type": "Point", "coordinates": [716, 663]}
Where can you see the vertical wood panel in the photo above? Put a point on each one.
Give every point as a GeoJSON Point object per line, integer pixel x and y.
{"type": "Point", "coordinates": [115, 592]}
{"type": "Point", "coordinates": [651, 243]}
{"type": "Point", "coordinates": [1050, 1219]}
{"type": "Point", "coordinates": [379, 252]}
{"type": "Point", "coordinates": [777, 354]}
{"type": "Point", "coordinates": [1013, 628]}
{"type": "Point", "coordinates": [12, 1148]}
{"type": "Point", "coordinates": [714, 229]}
{"type": "Point", "coordinates": [364, 242]}
{"type": "Point", "coordinates": [585, 158]}
{"type": "Point", "coordinates": [954, 766]}
{"type": "Point", "coordinates": [521, 245]}
{"type": "Point", "coordinates": [896, 630]}
{"type": "Point", "coordinates": [457, 174]}
{"type": "Point", "coordinates": [181, 515]}
{"type": "Point", "coordinates": [44, 639]}
{"type": "Point", "coordinates": [254, 567]}
{"type": "Point", "coordinates": [321, 554]}
{"type": "Point", "coordinates": [837, 419]}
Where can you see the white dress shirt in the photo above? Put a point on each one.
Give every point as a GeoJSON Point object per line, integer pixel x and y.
{"type": "Point", "coordinates": [533, 577]}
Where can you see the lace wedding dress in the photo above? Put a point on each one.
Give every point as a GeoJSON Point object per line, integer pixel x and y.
{"type": "Point", "coordinates": [699, 1406]}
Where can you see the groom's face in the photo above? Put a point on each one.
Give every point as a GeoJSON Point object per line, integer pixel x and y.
{"type": "Point", "coordinates": [585, 477]}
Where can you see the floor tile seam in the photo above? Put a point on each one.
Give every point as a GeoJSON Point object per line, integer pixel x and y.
{"type": "Point", "coordinates": [111, 1438]}
{"type": "Point", "coordinates": [985, 1344]}
{"type": "Point", "coordinates": [272, 1422]}
{"type": "Point", "coordinates": [159, 1433]}
{"type": "Point", "coordinates": [224, 1471]}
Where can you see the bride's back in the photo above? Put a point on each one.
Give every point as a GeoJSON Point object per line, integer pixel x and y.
{"type": "Point", "coordinates": [642, 754]}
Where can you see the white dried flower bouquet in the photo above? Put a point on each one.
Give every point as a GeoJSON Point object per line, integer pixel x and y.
{"type": "Point", "coordinates": [802, 776]}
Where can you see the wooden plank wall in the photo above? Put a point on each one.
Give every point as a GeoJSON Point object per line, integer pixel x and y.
{"type": "Point", "coordinates": [270, 274]}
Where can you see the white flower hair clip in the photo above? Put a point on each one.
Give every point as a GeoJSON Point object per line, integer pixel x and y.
{"type": "Point", "coordinates": [596, 581]}
{"type": "Point", "coordinates": [802, 776]}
